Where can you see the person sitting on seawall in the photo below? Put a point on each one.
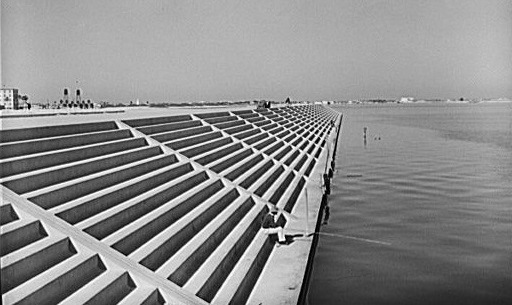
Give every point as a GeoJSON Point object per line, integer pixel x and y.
{"type": "Point", "coordinates": [270, 225]}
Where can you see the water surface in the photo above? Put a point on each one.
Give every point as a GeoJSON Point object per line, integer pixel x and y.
{"type": "Point", "coordinates": [433, 183]}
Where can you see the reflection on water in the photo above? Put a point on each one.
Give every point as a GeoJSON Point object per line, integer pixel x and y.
{"type": "Point", "coordinates": [437, 186]}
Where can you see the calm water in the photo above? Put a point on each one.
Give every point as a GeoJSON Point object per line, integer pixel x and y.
{"type": "Point", "coordinates": [436, 189]}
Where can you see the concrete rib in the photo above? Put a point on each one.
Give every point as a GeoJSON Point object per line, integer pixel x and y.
{"type": "Point", "coordinates": [125, 184]}
{"type": "Point", "coordinates": [235, 277]}
{"type": "Point", "coordinates": [83, 295]}
{"type": "Point", "coordinates": [141, 295]}
{"type": "Point", "coordinates": [168, 207]}
{"type": "Point", "coordinates": [200, 238]}
{"type": "Point", "coordinates": [177, 234]}
{"type": "Point", "coordinates": [38, 282]}
{"type": "Point", "coordinates": [214, 259]}
{"type": "Point", "coordinates": [112, 217]}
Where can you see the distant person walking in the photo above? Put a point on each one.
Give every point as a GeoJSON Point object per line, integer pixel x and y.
{"type": "Point", "coordinates": [270, 225]}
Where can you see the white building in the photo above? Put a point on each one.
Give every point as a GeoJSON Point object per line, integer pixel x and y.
{"type": "Point", "coordinates": [9, 98]}
{"type": "Point", "coordinates": [406, 100]}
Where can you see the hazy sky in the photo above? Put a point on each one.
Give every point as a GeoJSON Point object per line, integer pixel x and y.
{"type": "Point", "coordinates": [211, 50]}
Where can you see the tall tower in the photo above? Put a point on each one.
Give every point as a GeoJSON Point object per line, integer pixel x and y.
{"type": "Point", "coordinates": [78, 97]}
{"type": "Point", "coordinates": [66, 96]}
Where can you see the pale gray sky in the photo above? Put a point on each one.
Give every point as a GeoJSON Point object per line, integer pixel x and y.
{"type": "Point", "coordinates": [210, 50]}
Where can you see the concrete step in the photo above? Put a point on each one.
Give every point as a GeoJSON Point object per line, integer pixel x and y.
{"type": "Point", "coordinates": [14, 135]}
{"type": "Point", "coordinates": [197, 250]}
{"type": "Point", "coordinates": [229, 162]}
{"type": "Point", "coordinates": [221, 119]}
{"type": "Point", "coordinates": [180, 144]}
{"type": "Point", "coordinates": [247, 134]}
{"type": "Point", "coordinates": [310, 167]}
{"type": "Point", "coordinates": [268, 181]}
{"type": "Point", "coordinates": [196, 267]}
{"type": "Point", "coordinates": [7, 214]}
{"type": "Point", "coordinates": [31, 182]}
{"type": "Point", "coordinates": [294, 128]}
{"type": "Point", "coordinates": [278, 119]}
{"type": "Point", "coordinates": [276, 130]}
{"type": "Point", "coordinates": [301, 162]}
{"type": "Point", "coordinates": [107, 226]}
{"type": "Point", "coordinates": [205, 147]}
{"type": "Point", "coordinates": [168, 127]}
{"type": "Point", "coordinates": [283, 152]}
{"type": "Point", "coordinates": [144, 296]}
{"type": "Point", "coordinates": [40, 260]}
{"type": "Point", "coordinates": [56, 284]}
{"type": "Point", "coordinates": [241, 282]}
{"type": "Point", "coordinates": [238, 129]}
{"type": "Point", "coordinates": [111, 286]}
{"type": "Point", "coordinates": [290, 138]}
{"type": "Point", "coordinates": [210, 115]}
{"type": "Point", "coordinates": [157, 120]}
{"type": "Point", "coordinates": [292, 194]}
{"type": "Point", "coordinates": [256, 138]}
{"type": "Point", "coordinates": [262, 123]}
{"type": "Point", "coordinates": [312, 147]}
{"type": "Point", "coordinates": [145, 223]}
{"type": "Point", "coordinates": [19, 234]}
{"type": "Point", "coordinates": [318, 151]}
{"type": "Point", "coordinates": [242, 112]}
{"type": "Point", "coordinates": [292, 157]}
{"type": "Point", "coordinates": [86, 186]}
{"type": "Point", "coordinates": [219, 154]}
{"type": "Point", "coordinates": [28, 147]}
{"type": "Point", "coordinates": [167, 249]}
{"type": "Point", "coordinates": [185, 217]}
{"type": "Point", "coordinates": [18, 166]}
{"type": "Point", "coordinates": [269, 151]}
{"type": "Point", "coordinates": [287, 124]}
{"type": "Point", "coordinates": [278, 192]}
{"type": "Point", "coordinates": [105, 283]}
{"type": "Point", "coordinates": [191, 248]}
{"type": "Point", "coordinates": [230, 124]}
{"type": "Point", "coordinates": [268, 127]}
{"type": "Point", "coordinates": [257, 174]}
{"type": "Point", "coordinates": [265, 143]}
{"type": "Point", "coordinates": [117, 195]}
{"type": "Point", "coordinates": [182, 133]}
{"type": "Point", "coordinates": [305, 143]}
{"type": "Point", "coordinates": [256, 119]}
{"type": "Point", "coordinates": [143, 234]}
{"type": "Point", "coordinates": [225, 268]}
{"type": "Point", "coordinates": [283, 134]}
{"type": "Point", "coordinates": [271, 115]}
{"type": "Point", "coordinates": [248, 115]}
{"type": "Point", "coordinates": [241, 169]}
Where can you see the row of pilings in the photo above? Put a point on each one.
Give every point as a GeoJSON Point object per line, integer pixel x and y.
{"type": "Point", "coordinates": [324, 210]}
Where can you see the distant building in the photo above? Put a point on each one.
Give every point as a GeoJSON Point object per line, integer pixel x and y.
{"type": "Point", "coordinates": [9, 98]}
{"type": "Point", "coordinates": [406, 100]}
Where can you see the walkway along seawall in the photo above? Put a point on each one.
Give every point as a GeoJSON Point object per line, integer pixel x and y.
{"type": "Point", "coordinates": [165, 210]}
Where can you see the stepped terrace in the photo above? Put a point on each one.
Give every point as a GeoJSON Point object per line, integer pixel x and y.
{"type": "Point", "coordinates": [162, 210]}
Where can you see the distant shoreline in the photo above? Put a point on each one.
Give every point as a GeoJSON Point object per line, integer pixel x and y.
{"type": "Point", "coordinates": [23, 113]}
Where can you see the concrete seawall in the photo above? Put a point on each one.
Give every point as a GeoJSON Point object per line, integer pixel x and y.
{"type": "Point", "coordinates": [164, 210]}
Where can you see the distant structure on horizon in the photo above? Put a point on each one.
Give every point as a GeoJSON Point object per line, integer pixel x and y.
{"type": "Point", "coordinates": [406, 100]}
{"type": "Point", "coordinates": [78, 97]}
{"type": "Point", "coordinates": [65, 102]}
{"type": "Point", "coordinates": [9, 98]}
{"type": "Point", "coordinates": [66, 96]}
